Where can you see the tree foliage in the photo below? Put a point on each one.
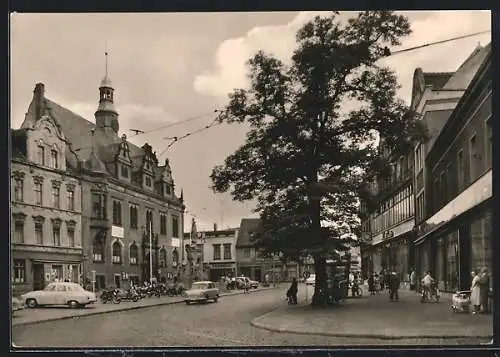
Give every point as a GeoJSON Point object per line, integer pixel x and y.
{"type": "Point", "coordinates": [316, 119]}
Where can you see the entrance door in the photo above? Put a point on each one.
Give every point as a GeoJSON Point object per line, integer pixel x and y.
{"type": "Point", "coordinates": [258, 274]}
{"type": "Point", "coordinates": [38, 276]}
{"type": "Point", "coordinates": [118, 281]}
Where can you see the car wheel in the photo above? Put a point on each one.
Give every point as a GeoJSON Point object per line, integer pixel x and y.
{"type": "Point", "coordinates": [216, 299]}
{"type": "Point", "coordinates": [73, 304]}
{"type": "Point", "coordinates": [187, 302]}
{"type": "Point", "coordinates": [31, 303]}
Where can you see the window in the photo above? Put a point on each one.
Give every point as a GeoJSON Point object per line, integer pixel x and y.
{"type": "Point", "coordinates": [124, 171]}
{"type": "Point", "coordinates": [40, 155]}
{"type": "Point", "coordinates": [98, 249]}
{"type": "Point", "coordinates": [18, 231]}
{"type": "Point", "coordinates": [148, 181]}
{"type": "Point", "coordinates": [38, 193]}
{"type": "Point", "coordinates": [474, 159]}
{"type": "Point", "coordinates": [117, 213]}
{"type": "Point", "coordinates": [56, 233]}
{"type": "Point", "coordinates": [175, 258]}
{"type": "Point", "coordinates": [460, 171]}
{"type": "Point", "coordinates": [98, 206]}
{"type": "Point", "coordinates": [71, 199]}
{"type": "Point", "coordinates": [19, 271]}
{"type": "Point", "coordinates": [481, 243]}
{"type": "Point", "coordinates": [117, 253]}
{"type": "Point", "coordinates": [163, 258]}
{"type": "Point", "coordinates": [444, 188]}
{"type": "Point", "coordinates": [39, 233]}
{"type": "Point", "coordinates": [149, 221]}
{"type": "Point", "coordinates": [227, 252]}
{"type": "Point", "coordinates": [168, 189]}
{"type": "Point", "coordinates": [19, 190]}
{"type": "Point", "coordinates": [56, 196]}
{"type": "Point", "coordinates": [71, 236]}
{"type": "Point", "coordinates": [163, 223]}
{"type": "Point", "coordinates": [489, 140]}
{"type": "Point", "coordinates": [216, 251]}
{"type": "Point", "coordinates": [134, 254]}
{"type": "Point", "coordinates": [54, 162]}
{"type": "Point", "coordinates": [175, 226]}
{"type": "Point", "coordinates": [133, 216]}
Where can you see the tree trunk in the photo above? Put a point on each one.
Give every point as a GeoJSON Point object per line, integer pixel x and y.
{"type": "Point", "coordinates": [320, 296]}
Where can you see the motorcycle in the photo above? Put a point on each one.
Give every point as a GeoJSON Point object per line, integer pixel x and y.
{"type": "Point", "coordinates": [108, 296]}
{"type": "Point", "coordinates": [127, 295]}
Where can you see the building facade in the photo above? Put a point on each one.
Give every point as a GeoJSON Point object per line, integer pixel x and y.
{"type": "Point", "coordinates": [128, 206]}
{"type": "Point", "coordinates": [46, 229]}
{"type": "Point", "coordinates": [389, 227]}
{"type": "Point", "coordinates": [219, 253]}
{"type": "Point", "coordinates": [454, 215]}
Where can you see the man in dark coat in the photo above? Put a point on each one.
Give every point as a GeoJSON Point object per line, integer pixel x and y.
{"type": "Point", "coordinates": [292, 292]}
{"type": "Point", "coordinates": [394, 282]}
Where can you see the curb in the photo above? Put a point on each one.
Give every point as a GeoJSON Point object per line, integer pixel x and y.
{"type": "Point", "coordinates": [127, 308]}
{"type": "Point", "coordinates": [255, 323]}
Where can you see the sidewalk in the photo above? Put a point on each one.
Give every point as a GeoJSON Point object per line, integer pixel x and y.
{"type": "Point", "coordinates": [33, 316]}
{"type": "Point", "coordinates": [377, 317]}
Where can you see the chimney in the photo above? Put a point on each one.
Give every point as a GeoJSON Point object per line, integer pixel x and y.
{"type": "Point", "coordinates": [38, 96]}
{"type": "Point", "coordinates": [215, 227]}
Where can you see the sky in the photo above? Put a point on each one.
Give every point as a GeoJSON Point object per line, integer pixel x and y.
{"type": "Point", "coordinates": [169, 67]}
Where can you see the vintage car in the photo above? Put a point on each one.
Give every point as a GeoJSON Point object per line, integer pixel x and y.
{"type": "Point", "coordinates": [17, 304]}
{"type": "Point", "coordinates": [201, 291]}
{"type": "Point", "coordinates": [59, 293]}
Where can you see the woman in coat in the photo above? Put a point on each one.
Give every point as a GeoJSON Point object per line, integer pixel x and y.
{"type": "Point", "coordinates": [475, 293]}
{"type": "Point", "coordinates": [484, 290]}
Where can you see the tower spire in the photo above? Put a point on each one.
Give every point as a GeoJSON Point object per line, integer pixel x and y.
{"type": "Point", "coordinates": [106, 57]}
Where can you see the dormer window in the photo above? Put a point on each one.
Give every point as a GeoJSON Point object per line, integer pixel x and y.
{"type": "Point", "coordinates": [40, 154]}
{"type": "Point", "coordinates": [168, 189]}
{"type": "Point", "coordinates": [148, 181]}
{"type": "Point", "coordinates": [54, 160]}
{"type": "Point", "coordinates": [124, 171]}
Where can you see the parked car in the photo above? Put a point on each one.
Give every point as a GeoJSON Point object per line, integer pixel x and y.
{"type": "Point", "coordinates": [201, 291]}
{"type": "Point", "coordinates": [253, 284]}
{"type": "Point", "coordinates": [311, 280]}
{"type": "Point", "coordinates": [17, 304]}
{"type": "Point", "coordinates": [59, 293]}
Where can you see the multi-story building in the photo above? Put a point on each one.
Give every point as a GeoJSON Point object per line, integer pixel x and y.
{"type": "Point", "coordinates": [388, 226]}
{"type": "Point", "coordinates": [46, 230]}
{"type": "Point", "coordinates": [127, 196]}
{"type": "Point", "coordinates": [219, 252]}
{"type": "Point", "coordinates": [455, 184]}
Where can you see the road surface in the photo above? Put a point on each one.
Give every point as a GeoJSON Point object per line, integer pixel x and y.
{"type": "Point", "coordinates": [225, 323]}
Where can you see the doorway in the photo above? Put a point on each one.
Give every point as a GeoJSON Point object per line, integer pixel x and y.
{"type": "Point", "coordinates": [118, 281]}
{"type": "Point", "coordinates": [38, 276]}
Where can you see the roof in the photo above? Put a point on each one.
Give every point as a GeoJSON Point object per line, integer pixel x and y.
{"type": "Point", "coordinates": [437, 79]}
{"type": "Point", "coordinates": [464, 74]}
{"type": "Point", "coordinates": [247, 226]}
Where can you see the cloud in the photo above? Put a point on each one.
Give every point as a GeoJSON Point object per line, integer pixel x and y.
{"type": "Point", "coordinates": [229, 69]}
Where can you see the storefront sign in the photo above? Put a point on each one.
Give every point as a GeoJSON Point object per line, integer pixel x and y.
{"type": "Point", "coordinates": [478, 192]}
{"type": "Point", "coordinates": [117, 231]}
{"type": "Point", "coordinates": [176, 242]}
{"type": "Point", "coordinates": [377, 239]}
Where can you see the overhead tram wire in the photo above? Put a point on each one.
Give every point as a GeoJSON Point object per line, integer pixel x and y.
{"type": "Point", "coordinates": [437, 42]}
{"type": "Point", "coordinates": [176, 139]}
{"type": "Point", "coordinates": [169, 125]}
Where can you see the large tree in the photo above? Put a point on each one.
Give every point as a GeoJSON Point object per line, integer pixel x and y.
{"type": "Point", "coordinates": [306, 152]}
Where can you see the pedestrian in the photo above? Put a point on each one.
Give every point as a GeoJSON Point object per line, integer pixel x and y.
{"type": "Point", "coordinates": [382, 279]}
{"type": "Point", "coordinates": [376, 283]}
{"type": "Point", "coordinates": [292, 292]}
{"type": "Point", "coordinates": [246, 285]}
{"type": "Point", "coordinates": [427, 285]}
{"type": "Point", "coordinates": [371, 284]}
{"type": "Point", "coordinates": [475, 301]}
{"type": "Point", "coordinates": [484, 290]}
{"type": "Point", "coordinates": [394, 283]}
{"type": "Point", "coordinates": [413, 280]}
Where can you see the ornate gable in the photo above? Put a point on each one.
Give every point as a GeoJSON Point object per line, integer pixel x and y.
{"type": "Point", "coordinates": [418, 87]}
{"type": "Point", "coordinates": [123, 152]}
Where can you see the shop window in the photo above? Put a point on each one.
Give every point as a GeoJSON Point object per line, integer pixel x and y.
{"type": "Point", "coordinates": [452, 261]}
{"type": "Point", "coordinates": [481, 244]}
{"type": "Point", "coordinates": [19, 271]}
